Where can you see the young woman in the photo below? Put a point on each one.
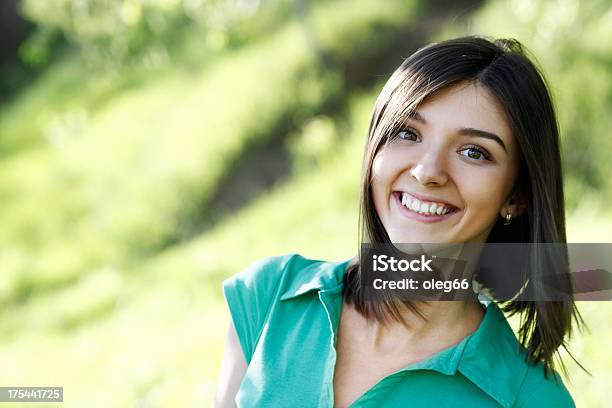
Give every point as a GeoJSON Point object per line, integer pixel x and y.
{"type": "Point", "coordinates": [463, 147]}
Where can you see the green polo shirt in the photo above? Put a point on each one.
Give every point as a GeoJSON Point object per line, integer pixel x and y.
{"type": "Point", "coordinates": [286, 311]}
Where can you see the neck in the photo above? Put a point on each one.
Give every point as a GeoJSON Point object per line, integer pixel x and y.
{"type": "Point", "coordinates": [443, 314]}
{"type": "Point", "coordinates": [443, 323]}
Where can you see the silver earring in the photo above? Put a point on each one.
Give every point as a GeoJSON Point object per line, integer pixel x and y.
{"type": "Point", "coordinates": [508, 219]}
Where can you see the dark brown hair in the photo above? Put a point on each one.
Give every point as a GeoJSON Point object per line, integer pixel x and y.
{"type": "Point", "coordinates": [503, 67]}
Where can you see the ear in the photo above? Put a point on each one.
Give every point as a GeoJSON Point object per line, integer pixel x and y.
{"type": "Point", "coordinates": [515, 205]}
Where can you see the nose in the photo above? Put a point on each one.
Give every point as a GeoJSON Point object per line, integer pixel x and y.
{"type": "Point", "coordinates": [430, 170]}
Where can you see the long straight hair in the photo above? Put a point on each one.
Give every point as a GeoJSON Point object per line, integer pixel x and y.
{"type": "Point", "coordinates": [504, 68]}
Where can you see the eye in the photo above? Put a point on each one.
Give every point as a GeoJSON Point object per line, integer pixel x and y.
{"type": "Point", "coordinates": [475, 153]}
{"type": "Point", "coordinates": [407, 134]}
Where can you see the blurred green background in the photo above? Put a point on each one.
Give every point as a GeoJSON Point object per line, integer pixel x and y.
{"type": "Point", "coordinates": [145, 144]}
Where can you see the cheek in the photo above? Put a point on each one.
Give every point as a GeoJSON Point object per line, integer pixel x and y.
{"type": "Point", "coordinates": [378, 181]}
{"type": "Point", "coordinates": [379, 166]}
{"type": "Point", "coordinates": [387, 165]}
{"type": "Point", "coordinates": [483, 192]}
{"type": "Point", "coordinates": [385, 168]}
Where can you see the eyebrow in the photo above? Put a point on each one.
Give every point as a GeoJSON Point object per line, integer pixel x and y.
{"type": "Point", "coordinates": [483, 133]}
{"type": "Point", "coordinates": [416, 116]}
{"type": "Point", "coordinates": [464, 131]}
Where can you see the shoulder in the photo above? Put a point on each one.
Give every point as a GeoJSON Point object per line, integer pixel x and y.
{"type": "Point", "coordinates": [261, 271]}
{"type": "Point", "coordinates": [252, 293]}
{"type": "Point", "coordinates": [249, 295]}
{"type": "Point", "coordinates": [496, 361]}
{"type": "Point", "coordinates": [268, 273]}
{"type": "Point", "coordinates": [543, 391]}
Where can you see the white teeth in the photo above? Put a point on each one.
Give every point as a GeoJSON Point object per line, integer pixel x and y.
{"type": "Point", "coordinates": [423, 208]}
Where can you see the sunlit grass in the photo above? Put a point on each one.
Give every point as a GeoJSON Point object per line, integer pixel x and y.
{"type": "Point", "coordinates": [166, 341]}
{"type": "Point", "coordinates": [107, 184]}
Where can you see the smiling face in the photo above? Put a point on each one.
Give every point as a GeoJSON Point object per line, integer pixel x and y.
{"type": "Point", "coordinates": [448, 173]}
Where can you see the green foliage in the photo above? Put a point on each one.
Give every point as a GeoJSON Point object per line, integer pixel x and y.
{"type": "Point", "coordinates": [313, 144]}
{"type": "Point", "coordinates": [107, 178]}
{"type": "Point", "coordinates": [111, 33]}
{"type": "Point", "coordinates": [165, 331]}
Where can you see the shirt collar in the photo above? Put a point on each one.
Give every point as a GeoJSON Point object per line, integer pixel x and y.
{"type": "Point", "coordinates": [491, 357]}
{"type": "Point", "coordinates": [313, 275]}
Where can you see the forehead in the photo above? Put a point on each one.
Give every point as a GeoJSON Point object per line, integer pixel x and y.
{"type": "Point", "coordinates": [465, 105]}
